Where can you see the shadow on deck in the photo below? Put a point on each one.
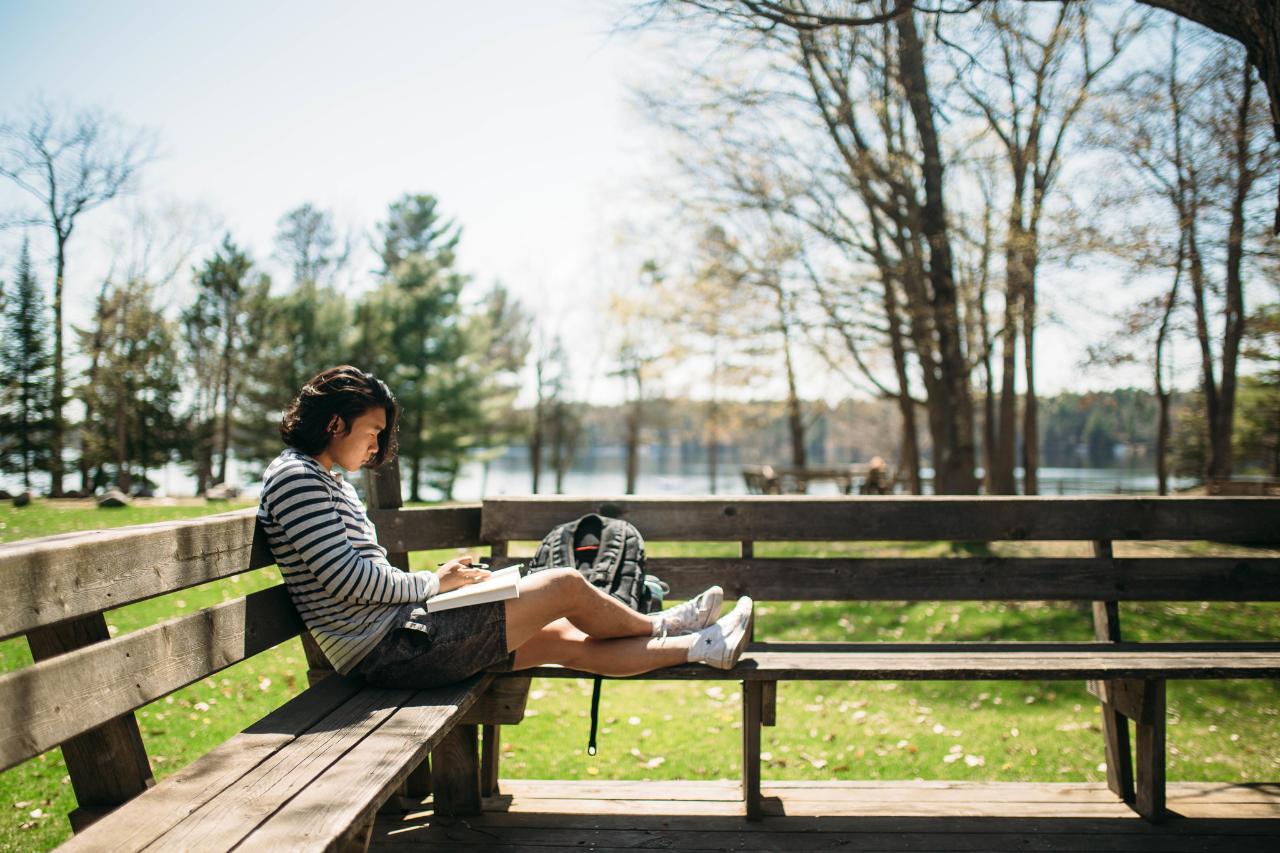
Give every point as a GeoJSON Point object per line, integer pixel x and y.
{"type": "Point", "coordinates": [863, 816]}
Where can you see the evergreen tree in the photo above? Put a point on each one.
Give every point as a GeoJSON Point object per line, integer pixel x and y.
{"type": "Point", "coordinates": [214, 329]}
{"type": "Point", "coordinates": [133, 394]}
{"type": "Point", "coordinates": [27, 419]}
{"type": "Point", "coordinates": [428, 347]}
{"type": "Point", "coordinates": [498, 335]}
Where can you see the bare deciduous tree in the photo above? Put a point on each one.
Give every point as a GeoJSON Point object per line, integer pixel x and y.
{"type": "Point", "coordinates": [70, 163]}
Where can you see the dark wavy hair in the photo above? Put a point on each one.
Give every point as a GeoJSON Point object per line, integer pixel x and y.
{"type": "Point", "coordinates": [347, 392]}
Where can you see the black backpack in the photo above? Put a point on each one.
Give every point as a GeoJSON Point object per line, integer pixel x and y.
{"type": "Point", "coordinates": [608, 552]}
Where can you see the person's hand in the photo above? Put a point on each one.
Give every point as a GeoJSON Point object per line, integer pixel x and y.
{"type": "Point", "coordinates": [459, 572]}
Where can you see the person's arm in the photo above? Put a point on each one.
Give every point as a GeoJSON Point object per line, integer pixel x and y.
{"type": "Point", "coordinates": [302, 504]}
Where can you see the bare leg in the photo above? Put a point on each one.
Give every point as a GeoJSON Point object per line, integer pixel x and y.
{"type": "Point", "coordinates": [563, 593]}
{"type": "Point", "coordinates": [562, 643]}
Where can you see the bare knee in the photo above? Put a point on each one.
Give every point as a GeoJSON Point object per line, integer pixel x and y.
{"type": "Point", "coordinates": [567, 582]}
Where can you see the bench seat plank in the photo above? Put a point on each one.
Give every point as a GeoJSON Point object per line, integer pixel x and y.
{"type": "Point", "coordinates": [161, 808]}
{"type": "Point", "coordinates": [223, 821]}
{"type": "Point", "coordinates": [975, 661]}
{"type": "Point", "coordinates": [345, 798]}
{"type": "Point", "coordinates": [54, 700]}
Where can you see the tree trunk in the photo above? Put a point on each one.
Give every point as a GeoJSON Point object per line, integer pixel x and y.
{"type": "Point", "coordinates": [56, 434]}
{"type": "Point", "coordinates": [415, 477]}
{"type": "Point", "coordinates": [1163, 427]}
{"type": "Point", "coordinates": [1234, 312]}
{"type": "Point", "coordinates": [25, 433]}
{"type": "Point", "coordinates": [1030, 426]}
{"type": "Point", "coordinates": [988, 400]}
{"type": "Point", "coordinates": [713, 444]}
{"type": "Point", "coordinates": [535, 445]}
{"type": "Point", "coordinates": [910, 458]}
{"type": "Point", "coordinates": [795, 413]}
{"type": "Point", "coordinates": [1004, 480]}
{"type": "Point", "coordinates": [633, 436]}
{"type": "Point", "coordinates": [225, 438]}
{"type": "Point", "coordinates": [954, 455]}
{"type": "Point", "coordinates": [124, 478]}
{"type": "Point", "coordinates": [1208, 382]}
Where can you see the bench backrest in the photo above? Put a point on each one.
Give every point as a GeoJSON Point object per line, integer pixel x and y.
{"type": "Point", "coordinates": [1096, 575]}
{"type": "Point", "coordinates": [83, 686]}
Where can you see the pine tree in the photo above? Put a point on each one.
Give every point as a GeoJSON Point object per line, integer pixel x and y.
{"type": "Point", "coordinates": [26, 421]}
{"type": "Point", "coordinates": [439, 395]}
{"type": "Point", "coordinates": [132, 397]}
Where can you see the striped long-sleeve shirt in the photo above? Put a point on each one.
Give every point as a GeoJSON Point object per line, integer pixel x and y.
{"type": "Point", "coordinates": [337, 574]}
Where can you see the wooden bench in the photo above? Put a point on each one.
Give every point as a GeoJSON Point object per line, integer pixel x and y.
{"type": "Point", "coordinates": [310, 775]}
{"type": "Point", "coordinates": [1128, 678]}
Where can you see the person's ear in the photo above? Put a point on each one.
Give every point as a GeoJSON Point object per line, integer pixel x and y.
{"type": "Point", "coordinates": [335, 425]}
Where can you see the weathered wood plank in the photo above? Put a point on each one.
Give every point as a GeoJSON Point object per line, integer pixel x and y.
{"type": "Point", "coordinates": [382, 494]}
{"type": "Point", "coordinates": [1115, 727]}
{"type": "Point", "coordinates": [752, 719]}
{"type": "Point", "coordinates": [1149, 768]}
{"type": "Point", "coordinates": [976, 578]}
{"type": "Point", "coordinates": [976, 661]}
{"type": "Point", "coordinates": [54, 700]}
{"type": "Point", "coordinates": [53, 578]}
{"type": "Point", "coordinates": [223, 821]}
{"type": "Point", "coordinates": [108, 764]}
{"type": "Point", "coordinates": [503, 703]}
{"type": "Point", "coordinates": [161, 808]}
{"type": "Point", "coordinates": [490, 758]}
{"type": "Point", "coordinates": [350, 791]}
{"type": "Point", "coordinates": [455, 780]}
{"type": "Point", "coordinates": [658, 831]}
{"type": "Point", "coordinates": [424, 528]}
{"type": "Point", "coordinates": [898, 518]}
{"type": "Point", "coordinates": [889, 791]}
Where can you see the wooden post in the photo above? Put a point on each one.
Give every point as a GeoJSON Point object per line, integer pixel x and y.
{"type": "Point", "coordinates": [455, 774]}
{"type": "Point", "coordinates": [769, 702]}
{"type": "Point", "coordinates": [490, 744]}
{"type": "Point", "coordinates": [748, 553]}
{"type": "Point", "coordinates": [108, 765]}
{"type": "Point", "coordinates": [752, 702]}
{"type": "Point", "coordinates": [1151, 767]}
{"type": "Point", "coordinates": [1115, 727]}
{"type": "Point", "coordinates": [382, 491]}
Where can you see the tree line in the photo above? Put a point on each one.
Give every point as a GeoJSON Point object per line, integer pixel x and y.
{"type": "Point", "coordinates": [210, 382]}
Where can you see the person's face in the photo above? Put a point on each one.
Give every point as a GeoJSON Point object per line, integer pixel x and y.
{"type": "Point", "coordinates": [358, 446]}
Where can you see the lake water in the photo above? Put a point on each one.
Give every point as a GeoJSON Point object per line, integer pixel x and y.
{"type": "Point", "coordinates": [601, 471]}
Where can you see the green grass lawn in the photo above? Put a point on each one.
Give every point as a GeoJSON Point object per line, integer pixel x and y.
{"type": "Point", "coordinates": [1001, 731]}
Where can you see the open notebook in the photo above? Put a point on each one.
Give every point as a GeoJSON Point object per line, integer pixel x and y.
{"type": "Point", "coordinates": [499, 586]}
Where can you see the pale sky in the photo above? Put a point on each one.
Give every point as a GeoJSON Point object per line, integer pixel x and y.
{"type": "Point", "coordinates": [516, 115]}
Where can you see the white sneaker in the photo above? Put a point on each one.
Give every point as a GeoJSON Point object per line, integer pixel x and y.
{"type": "Point", "coordinates": [694, 615]}
{"type": "Point", "coordinates": [720, 645]}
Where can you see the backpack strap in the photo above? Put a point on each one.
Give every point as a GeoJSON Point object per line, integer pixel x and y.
{"type": "Point", "coordinates": [595, 716]}
{"type": "Point", "coordinates": [562, 546]}
{"type": "Point", "coordinates": [612, 545]}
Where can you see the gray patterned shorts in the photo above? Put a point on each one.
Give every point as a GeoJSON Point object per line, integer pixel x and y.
{"type": "Point", "coordinates": [434, 649]}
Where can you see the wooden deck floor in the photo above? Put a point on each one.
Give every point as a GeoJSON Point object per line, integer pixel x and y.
{"type": "Point", "coordinates": [864, 816]}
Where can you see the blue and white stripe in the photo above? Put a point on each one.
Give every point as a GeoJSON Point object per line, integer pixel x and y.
{"type": "Point", "coordinates": [337, 574]}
